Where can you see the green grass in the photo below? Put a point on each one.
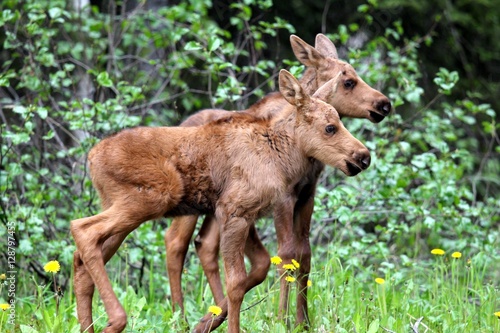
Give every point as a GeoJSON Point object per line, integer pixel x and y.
{"type": "Point", "coordinates": [428, 294]}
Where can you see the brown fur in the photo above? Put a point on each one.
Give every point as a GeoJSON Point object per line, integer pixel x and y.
{"type": "Point", "coordinates": [237, 169]}
{"type": "Point", "coordinates": [292, 216]}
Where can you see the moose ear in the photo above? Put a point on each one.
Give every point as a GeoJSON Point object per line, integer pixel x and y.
{"type": "Point", "coordinates": [325, 46]}
{"type": "Point", "coordinates": [327, 91]}
{"type": "Point", "coordinates": [291, 89]}
{"type": "Point", "coordinates": [305, 53]}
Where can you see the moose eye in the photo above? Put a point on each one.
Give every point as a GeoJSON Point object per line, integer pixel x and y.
{"type": "Point", "coordinates": [330, 129]}
{"type": "Point", "coordinates": [349, 84]}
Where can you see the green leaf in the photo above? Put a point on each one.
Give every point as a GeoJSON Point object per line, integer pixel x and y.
{"type": "Point", "coordinates": [20, 109]}
{"type": "Point", "coordinates": [413, 96]}
{"type": "Point", "coordinates": [4, 81]}
{"type": "Point", "coordinates": [42, 112]}
{"type": "Point", "coordinates": [7, 15]}
{"type": "Point", "coordinates": [446, 80]}
{"type": "Point", "coordinates": [104, 80]}
{"type": "Point", "coordinates": [55, 12]}
{"type": "Point", "coordinates": [374, 326]}
{"type": "Point", "coordinates": [50, 134]}
{"type": "Point", "coordinates": [363, 8]}
{"type": "Point", "coordinates": [25, 246]}
{"type": "Point", "coordinates": [192, 46]}
{"type": "Point", "coordinates": [214, 44]}
{"type": "Point", "coordinates": [27, 329]}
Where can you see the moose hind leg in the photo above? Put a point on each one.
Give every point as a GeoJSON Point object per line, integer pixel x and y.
{"type": "Point", "coordinates": [177, 239]}
{"type": "Point", "coordinates": [207, 247]}
{"type": "Point", "coordinates": [97, 238]}
{"type": "Point", "coordinates": [259, 259]}
{"type": "Point", "coordinates": [89, 237]}
{"type": "Point", "coordinates": [84, 285]}
{"type": "Point", "coordinates": [84, 291]}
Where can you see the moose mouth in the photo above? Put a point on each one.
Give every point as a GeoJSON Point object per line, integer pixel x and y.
{"type": "Point", "coordinates": [376, 117]}
{"type": "Point", "coordinates": [352, 168]}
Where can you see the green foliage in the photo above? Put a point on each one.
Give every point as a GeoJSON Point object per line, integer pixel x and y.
{"type": "Point", "coordinates": [70, 77]}
{"type": "Point", "coordinates": [423, 189]}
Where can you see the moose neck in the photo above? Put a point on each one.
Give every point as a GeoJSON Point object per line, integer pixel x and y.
{"type": "Point", "coordinates": [283, 140]}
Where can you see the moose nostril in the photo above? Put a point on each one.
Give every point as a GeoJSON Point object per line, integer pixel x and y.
{"type": "Point", "coordinates": [365, 161]}
{"type": "Point", "coordinates": [384, 107]}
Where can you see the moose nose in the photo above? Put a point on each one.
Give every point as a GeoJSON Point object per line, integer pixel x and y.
{"type": "Point", "coordinates": [384, 106]}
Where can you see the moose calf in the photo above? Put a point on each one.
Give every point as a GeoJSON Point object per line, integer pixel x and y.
{"type": "Point", "coordinates": [237, 167]}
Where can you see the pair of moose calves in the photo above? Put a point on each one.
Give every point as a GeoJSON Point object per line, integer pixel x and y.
{"type": "Point", "coordinates": [236, 167]}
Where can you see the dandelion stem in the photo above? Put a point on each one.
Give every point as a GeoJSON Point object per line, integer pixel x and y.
{"type": "Point", "coordinates": [56, 293]}
{"type": "Point", "coordinates": [211, 324]}
{"type": "Point", "coordinates": [381, 299]}
{"type": "Point", "coordinates": [1, 320]}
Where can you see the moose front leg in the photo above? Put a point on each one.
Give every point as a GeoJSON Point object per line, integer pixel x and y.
{"type": "Point", "coordinates": [302, 225]}
{"type": "Point", "coordinates": [259, 260]}
{"type": "Point", "coordinates": [234, 233]}
{"type": "Point", "coordinates": [283, 221]}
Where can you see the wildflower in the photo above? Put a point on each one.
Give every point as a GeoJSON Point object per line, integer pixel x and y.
{"type": "Point", "coordinates": [4, 306]}
{"type": "Point", "coordinates": [290, 279]}
{"type": "Point", "coordinates": [438, 252]}
{"type": "Point", "coordinates": [289, 267]}
{"type": "Point", "coordinates": [52, 266]}
{"type": "Point", "coordinates": [295, 263]}
{"type": "Point", "coordinates": [456, 255]}
{"type": "Point", "coordinates": [380, 280]}
{"type": "Point", "coordinates": [3, 276]}
{"type": "Point", "coordinates": [497, 314]}
{"type": "Point", "coordinates": [214, 310]}
{"type": "Point", "coordinates": [276, 260]}
{"type": "Point", "coordinates": [309, 283]}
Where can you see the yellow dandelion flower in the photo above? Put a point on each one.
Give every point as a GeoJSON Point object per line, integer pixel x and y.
{"type": "Point", "coordinates": [276, 260]}
{"type": "Point", "coordinates": [3, 276]}
{"type": "Point", "coordinates": [438, 252]}
{"type": "Point", "coordinates": [289, 267]}
{"type": "Point", "coordinates": [456, 255]}
{"type": "Point", "coordinates": [52, 266]}
{"type": "Point", "coordinates": [295, 263]}
{"type": "Point", "coordinates": [214, 310]}
{"type": "Point", "coordinates": [380, 280]}
{"type": "Point", "coordinates": [497, 314]}
{"type": "Point", "coordinates": [290, 279]}
{"type": "Point", "coordinates": [309, 283]}
{"type": "Point", "coordinates": [4, 306]}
